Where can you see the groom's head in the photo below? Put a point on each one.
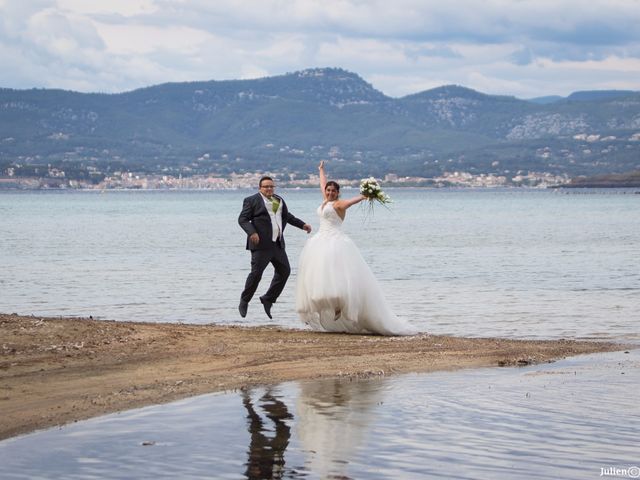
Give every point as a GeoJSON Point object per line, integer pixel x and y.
{"type": "Point", "coordinates": [266, 186]}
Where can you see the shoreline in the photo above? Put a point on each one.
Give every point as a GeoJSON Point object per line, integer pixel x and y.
{"type": "Point", "coordinates": [55, 371]}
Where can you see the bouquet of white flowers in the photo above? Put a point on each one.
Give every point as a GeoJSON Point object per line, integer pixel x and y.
{"type": "Point", "coordinates": [370, 188]}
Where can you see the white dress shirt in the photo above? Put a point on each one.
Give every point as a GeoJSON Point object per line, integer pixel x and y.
{"type": "Point", "coordinates": [276, 218]}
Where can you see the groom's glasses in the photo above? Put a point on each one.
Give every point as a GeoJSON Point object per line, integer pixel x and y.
{"type": "Point", "coordinates": [268, 187]}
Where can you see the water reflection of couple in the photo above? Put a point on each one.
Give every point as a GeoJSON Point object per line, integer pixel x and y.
{"type": "Point", "coordinates": [336, 290]}
{"type": "Point", "coordinates": [332, 418]}
{"type": "Point", "coordinates": [266, 452]}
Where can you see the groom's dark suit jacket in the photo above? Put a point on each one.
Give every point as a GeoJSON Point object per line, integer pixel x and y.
{"type": "Point", "coordinates": [254, 218]}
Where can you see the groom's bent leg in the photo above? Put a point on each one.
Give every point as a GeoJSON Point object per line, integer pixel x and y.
{"type": "Point", "coordinates": [280, 263]}
{"type": "Point", "coordinates": [259, 261]}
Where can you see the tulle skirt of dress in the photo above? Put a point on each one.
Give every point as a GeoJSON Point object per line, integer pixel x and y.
{"type": "Point", "coordinates": [336, 290]}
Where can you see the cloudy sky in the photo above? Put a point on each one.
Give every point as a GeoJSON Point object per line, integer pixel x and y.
{"type": "Point", "coordinates": [514, 47]}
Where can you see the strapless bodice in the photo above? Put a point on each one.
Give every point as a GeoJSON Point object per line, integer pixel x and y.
{"type": "Point", "coordinates": [330, 221]}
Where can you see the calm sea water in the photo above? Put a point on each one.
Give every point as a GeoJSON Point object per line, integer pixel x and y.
{"type": "Point", "coordinates": [568, 420]}
{"type": "Point", "coordinates": [514, 263]}
{"type": "Point", "coordinates": [510, 263]}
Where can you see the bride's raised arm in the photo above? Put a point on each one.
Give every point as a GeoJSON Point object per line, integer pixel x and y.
{"type": "Point", "coordinates": [323, 179]}
{"type": "Point", "coordinates": [339, 205]}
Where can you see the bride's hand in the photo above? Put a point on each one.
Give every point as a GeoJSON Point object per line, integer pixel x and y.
{"type": "Point", "coordinates": [321, 166]}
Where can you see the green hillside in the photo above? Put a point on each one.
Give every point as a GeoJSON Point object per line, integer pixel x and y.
{"type": "Point", "coordinates": [288, 122]}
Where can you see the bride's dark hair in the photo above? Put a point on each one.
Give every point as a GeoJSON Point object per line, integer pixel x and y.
{"type": "Point", "coordinates": [333, 184]}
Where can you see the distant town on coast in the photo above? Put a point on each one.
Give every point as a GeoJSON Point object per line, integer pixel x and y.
{"type": "Point", "coordinates": [55, 178]}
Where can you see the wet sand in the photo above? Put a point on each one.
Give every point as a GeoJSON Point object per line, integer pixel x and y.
{"type": "Point", "coordinates": [60, 370]}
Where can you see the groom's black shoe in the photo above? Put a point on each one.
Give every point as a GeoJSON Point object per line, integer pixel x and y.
{"type": "Point", "coordinates": [242, 308]}
{"type": "Point", "coordinates": [267, 307]}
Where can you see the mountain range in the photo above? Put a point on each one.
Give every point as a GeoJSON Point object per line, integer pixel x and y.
{"type": "Point", "coordinates": [287, 123]}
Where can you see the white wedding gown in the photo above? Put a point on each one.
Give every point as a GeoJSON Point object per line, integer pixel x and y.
{"type": "Point", "coordinates": [336, 290]}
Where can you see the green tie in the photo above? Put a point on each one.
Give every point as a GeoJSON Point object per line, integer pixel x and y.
{"type": "Point", "coordinates": [275, 204]}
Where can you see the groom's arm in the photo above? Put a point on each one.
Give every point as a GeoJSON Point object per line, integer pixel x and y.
{"type": "Point", "coordinates": [246, 217]}
{"type": "Point", "coordinates": [296, 222]}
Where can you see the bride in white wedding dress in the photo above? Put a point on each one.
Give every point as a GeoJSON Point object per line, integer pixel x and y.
{"type": "Point", "coordinates": [336, 290]}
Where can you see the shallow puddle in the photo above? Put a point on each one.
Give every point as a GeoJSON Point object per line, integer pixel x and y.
{"type": "Point", "coordinates": [572, 419]}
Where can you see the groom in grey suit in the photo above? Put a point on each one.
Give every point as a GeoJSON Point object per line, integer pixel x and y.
{"type": "Point", "coordinates": [264, 217]}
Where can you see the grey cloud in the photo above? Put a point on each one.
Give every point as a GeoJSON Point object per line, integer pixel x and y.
{"type": "Point", "coordinates": [571, 21]}
{"type": "Point", "coordinates": [523, 56]}
{"type": "Point", "coordinates": [416, 52]}
{"type": "Point", "coordinates": [51, 27]}
{"type": "Point", "coordinates": [425, 41]}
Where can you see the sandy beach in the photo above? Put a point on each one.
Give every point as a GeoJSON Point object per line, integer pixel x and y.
{"type": "Point", "coordinates": [55, 371]}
